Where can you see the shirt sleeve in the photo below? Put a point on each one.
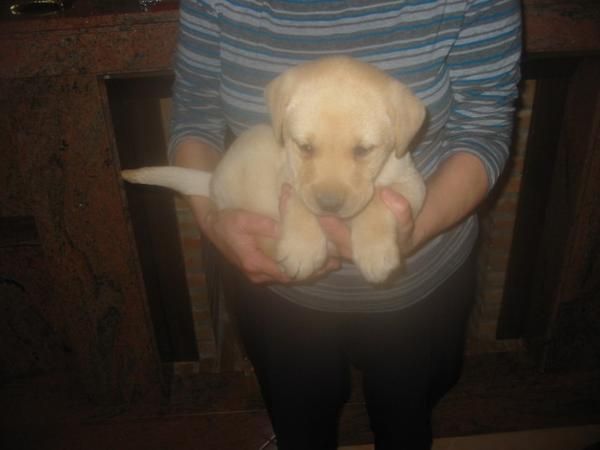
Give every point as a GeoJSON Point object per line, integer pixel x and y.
{"type": "Point", "coordinates": [197, 111]}
{"type": "Point", "coordinates": [484, 74]}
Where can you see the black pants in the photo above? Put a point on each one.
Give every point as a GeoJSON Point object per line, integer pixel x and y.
{"type": "Point", "coordinates": [409, 359]}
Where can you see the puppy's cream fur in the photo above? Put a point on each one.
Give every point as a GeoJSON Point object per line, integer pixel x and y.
{"type": "Point", "coordinates": [339, 129]}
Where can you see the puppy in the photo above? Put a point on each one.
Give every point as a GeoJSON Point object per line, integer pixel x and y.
{"type": "Point", "coordinates": [339, 129]}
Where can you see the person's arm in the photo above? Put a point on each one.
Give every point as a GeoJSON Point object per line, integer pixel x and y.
{"type": "Point", "coordinates": [484, 72]}
{"type": "Point", "coordinates": [453, 192]}
{"type": "Point", "coordinates": [484, 69]}
{"type": "Point", "coordinates": [197, 114]}
{"type": "Point", "coordinates": [197, 132]}
{"type": "Point", "coordinates": [233, 232]}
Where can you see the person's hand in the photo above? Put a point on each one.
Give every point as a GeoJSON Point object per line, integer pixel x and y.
{"type": "Point", "coordinates": [338, 233]}
{"type": "Point", "coordinates": [236, 235]}
{"type": "Point", "coordinates": [333, 261]}
{"type": "Point", "coordinates": [405, 222]}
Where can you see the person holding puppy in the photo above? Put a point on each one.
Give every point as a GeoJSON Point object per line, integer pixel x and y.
{"type": "Point", "coordinates": [461, 58]}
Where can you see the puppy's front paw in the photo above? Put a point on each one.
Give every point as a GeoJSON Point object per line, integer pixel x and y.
{"type": "Point", "coordinates": [301, 254]}
{"type": "Point", "coordinates": [376, 256]}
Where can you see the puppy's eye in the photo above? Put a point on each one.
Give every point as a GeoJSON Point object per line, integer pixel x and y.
{"type": "Point", "coordinates": [361, 151]}
{"type": "Point", "coordinates": [307, 149]}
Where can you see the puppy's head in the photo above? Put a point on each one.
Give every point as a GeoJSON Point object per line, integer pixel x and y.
{"type": "Point", "coordinates": [339, 120]}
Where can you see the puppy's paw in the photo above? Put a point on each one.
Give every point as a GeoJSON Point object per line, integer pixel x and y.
{"type": "Point", "coordinates": [301, 255]}
{"type": "Point", "coordinates": [377, 257]}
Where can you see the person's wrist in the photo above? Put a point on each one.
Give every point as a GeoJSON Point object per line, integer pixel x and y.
{"type": "Point", "coordinates": [419, 237]}
{"type": "Point", "coordinates": [204, 211]}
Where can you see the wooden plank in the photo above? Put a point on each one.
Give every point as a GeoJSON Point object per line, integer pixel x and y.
{"type": "Point", "coordinates": [63, 154]}
{"type": "Point", "coordinates": [547, 118]}
{"type": "Point", "coordinates": [31, 344]}
{"type": "Point", "coordinates": [18, 230]}
{"type": "Point", "coordinates": [559, 27]}
{"type": "Point", "coordinates": [567, 249]}
{"type": "Point", "coordinates": [138, 129]}
{"type": "Point", "coordinates": [581, 157]}
{"type": "Point", "coordinates": [573, 338]}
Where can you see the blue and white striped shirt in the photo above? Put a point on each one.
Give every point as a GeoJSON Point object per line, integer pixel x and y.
{"type": "Point", "coordinates": [460, 57]}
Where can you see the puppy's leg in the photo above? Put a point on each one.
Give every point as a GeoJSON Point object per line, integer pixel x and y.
{"type": "Point", "coordinates": [302, 248]}
{"type": "Point", "coordinates": [375, 234]}
{"type": "Point", "coordinates": [374, 231]}
{"type": "Point", "coordinates": [403, 177]}
{"type": "Point", "coordinates": [374, 242]}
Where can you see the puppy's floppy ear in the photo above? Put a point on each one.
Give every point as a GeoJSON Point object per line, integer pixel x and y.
{"type": "Point", "coordinates": [407, 113]}
{"type": "Point", "coordinates": [278, 96]}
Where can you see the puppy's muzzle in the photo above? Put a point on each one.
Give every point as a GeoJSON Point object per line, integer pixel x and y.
{"type": "Point", "coordinates": [330, 201]}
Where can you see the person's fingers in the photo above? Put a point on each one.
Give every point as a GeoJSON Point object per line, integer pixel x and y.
{"type": "Point", "coordinates": [256, 224]}
{"type": "Point", "coordinates": [331, 265]}
{"type": "Point", "coordinates": [338, 233]}
{"type": "Point", "coordinates": [398, 205]}
{"type": "Point", "coordinates": [235, 233]}
{"type": "Point", "coordinates": [401, 209]}
{"type": "Point", "coordinates": [263, 270]}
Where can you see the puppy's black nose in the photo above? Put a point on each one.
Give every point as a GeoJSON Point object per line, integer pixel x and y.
{"type": "Point", "coordinates": [330, 202]}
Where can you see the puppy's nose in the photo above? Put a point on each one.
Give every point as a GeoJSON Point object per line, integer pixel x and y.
{"type": "Point", "coordinates": [330, 202]}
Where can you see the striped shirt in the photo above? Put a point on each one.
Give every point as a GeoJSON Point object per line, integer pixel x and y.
{"type": "Point", "coordinates": [460, 57]}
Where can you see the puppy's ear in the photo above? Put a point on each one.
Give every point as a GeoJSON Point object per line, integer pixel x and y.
{"type": "Point", "coordinates": [278, 96]}
{"type": "Point", "coordinates": [407, 113]}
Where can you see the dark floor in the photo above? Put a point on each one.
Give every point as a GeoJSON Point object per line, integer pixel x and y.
{"type": "Point", "coordinates": [223, 412]}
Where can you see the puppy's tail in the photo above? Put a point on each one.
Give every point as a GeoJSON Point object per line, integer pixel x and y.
{"type": "Point", "coordinates": [185, 181]}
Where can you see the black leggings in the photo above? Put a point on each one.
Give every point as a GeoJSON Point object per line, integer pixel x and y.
{"type": "Point", "coordinates": [409, 359]}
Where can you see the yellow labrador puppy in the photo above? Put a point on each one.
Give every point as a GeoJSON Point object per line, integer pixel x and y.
{"type": "Point", "coordinates": [339, 129]}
